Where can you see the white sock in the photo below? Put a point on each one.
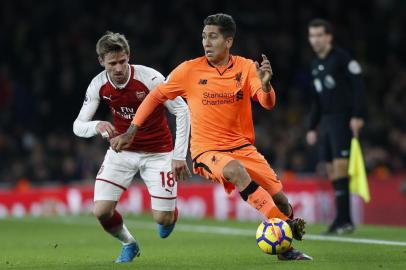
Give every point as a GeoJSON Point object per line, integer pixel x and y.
{"type": "Point", "coordinates": [124, 235]}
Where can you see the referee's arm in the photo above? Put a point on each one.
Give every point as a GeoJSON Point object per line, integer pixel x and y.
{"type": "Point", "coordinates": [355, 77]}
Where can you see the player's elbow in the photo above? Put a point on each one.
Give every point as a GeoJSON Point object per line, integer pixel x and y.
{"type": "Point", "coordinates": [183, 111]}
{"type": "Point", "coordinates": [269, 105]}
{"type": "Point", "coordinates": [78, 129]}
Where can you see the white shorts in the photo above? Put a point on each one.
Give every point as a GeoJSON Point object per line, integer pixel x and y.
{"type": "Point", "coordinates": [118, 170]}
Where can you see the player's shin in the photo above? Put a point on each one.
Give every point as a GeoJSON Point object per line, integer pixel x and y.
{"type": "Point", "coordinates": [260, 199]}
{"type": "Point", "coordinates": [115, 226]}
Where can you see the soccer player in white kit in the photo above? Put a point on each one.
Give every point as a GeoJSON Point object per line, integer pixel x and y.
{"type": "Point", "coordinates": [123, 87]}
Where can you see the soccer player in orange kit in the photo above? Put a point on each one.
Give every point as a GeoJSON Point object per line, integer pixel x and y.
{"type": "Point", "coordinates": [218, 88]}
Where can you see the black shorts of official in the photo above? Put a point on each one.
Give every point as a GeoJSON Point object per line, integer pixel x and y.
{"type": "Point", "coordinates": [334, 137]}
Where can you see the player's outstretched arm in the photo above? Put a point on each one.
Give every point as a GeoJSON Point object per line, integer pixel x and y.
{"type": "Point", "coordinates": [146, 108]}
{"type": "Point", "coordinates": [124, 140]}
{"type": "Point", "coordinates": [262, 88]}
{"type": "Point", "coordinates": [179, 108]}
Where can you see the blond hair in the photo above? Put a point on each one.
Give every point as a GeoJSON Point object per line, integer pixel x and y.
{"type": "Point", "coordinates": [112, 42]}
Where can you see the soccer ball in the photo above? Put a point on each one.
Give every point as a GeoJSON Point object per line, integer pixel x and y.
{"type": "Point", "coordinates": [274, 236]}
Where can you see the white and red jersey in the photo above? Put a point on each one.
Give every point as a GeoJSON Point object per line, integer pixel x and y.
{"type": "Point", "coordinates": [124, 100]}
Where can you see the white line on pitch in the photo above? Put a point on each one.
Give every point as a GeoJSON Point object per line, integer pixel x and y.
{"type": "Point", "coordinates": [225, 231]}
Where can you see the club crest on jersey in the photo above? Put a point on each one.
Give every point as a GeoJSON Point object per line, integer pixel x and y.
{"type": "Point", "coordinates": [238, 79]}
{"type": "Point", "coordinates": [140, 95]}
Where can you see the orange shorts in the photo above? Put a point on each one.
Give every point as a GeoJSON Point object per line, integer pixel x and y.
{"type": "Point", "coordinates": [210, 165]}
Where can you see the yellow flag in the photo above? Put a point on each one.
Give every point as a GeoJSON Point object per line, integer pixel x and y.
{"type": "Point", "coordinates": [357, 173]}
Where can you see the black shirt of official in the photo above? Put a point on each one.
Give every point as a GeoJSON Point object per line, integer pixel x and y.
{"type": "Point", "coordinates": [338, 87]}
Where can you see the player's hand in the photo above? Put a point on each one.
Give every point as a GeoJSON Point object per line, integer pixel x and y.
{"type": "Point", "coordinates": [311, 137]}
{"type": "Point", "coordinates": [264, 72]}
{"type": "Point", "coordinates": [124, 140]}
{"type": "Point", "coordinates": [356, 124]}
{"type": "Point", "coordinates": [106, 129]}
{"type": "Point", "coordinates": [180, 170]}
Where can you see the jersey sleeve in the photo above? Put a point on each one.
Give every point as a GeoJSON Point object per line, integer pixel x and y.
{"type": "Point", "coordinates": [253, 80]}
{"type": "Point", "coordinates": [147, 106]}
{"type": "Point", "coordinates": [176, 83]}
{"type": "Point", "coordinates": [315, 111]}
{"type": "Point", "coordinates": [266, 99]}
{"type": "Point", "coordinates": [83, 126]}
{"type": "Point", "coordinates": [180, 109]}
{"type": "Point", "coordinates": [354, 74]}
{"type": "Point", "coordinates": [150, 77]}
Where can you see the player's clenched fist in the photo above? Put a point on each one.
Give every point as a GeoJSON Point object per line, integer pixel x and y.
{"type": "Point", "coordinates": [123, 141]}
{"type": "Point", "coordinates": [120, 142]}
{"type": "Point", "coordinates": [106, 129]}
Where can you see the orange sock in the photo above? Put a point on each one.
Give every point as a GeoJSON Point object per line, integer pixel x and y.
{"type": "Point", "coordinates": [263, 202]}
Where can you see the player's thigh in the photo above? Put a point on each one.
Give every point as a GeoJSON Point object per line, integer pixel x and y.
{"type": "Point", "coordinates": [259, 169]}
{"type": "Point", "coordinates": [341, 143]}
{"type": "Point", "coordinates": [115, 175]}
{"type": "Point", "coordinates": [158, 177]}
{"type": "Point", "coordinates": [324, 144]}
{"type": "Point", "coordinates": [341, 139]}
{"type": "Point", "coordinates": [210, 165]}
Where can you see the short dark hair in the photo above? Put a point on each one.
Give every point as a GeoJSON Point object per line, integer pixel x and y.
{"type": "Point", "coordinates": [328, 29]}
{"type": "Point", "coordinates": [225, 22]}
{"type": "Point", "coordinates": [112, 42]}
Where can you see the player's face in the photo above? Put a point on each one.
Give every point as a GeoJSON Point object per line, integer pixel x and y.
{"type": "Point", "coordinates": [319, 39]}
{"type": "Point", "coordinates": [215, 45]}
{"type": "Point", "coordinates": [116, 65]}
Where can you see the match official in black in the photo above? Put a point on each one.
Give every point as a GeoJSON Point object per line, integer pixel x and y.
{"type": "Point", "coordinates": [338, 114]}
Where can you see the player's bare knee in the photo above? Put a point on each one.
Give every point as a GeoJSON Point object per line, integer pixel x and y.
{"type": "Point", "coordinates": [164, 218]}
{"type": "Point", "coordinates": [330, 170]}
{"type": "Point", "coordinates": [340, 168]}
{"type": "Point", "coordinates": [103, 212]}
{"type": "Point", "coordinates": [235, 172]}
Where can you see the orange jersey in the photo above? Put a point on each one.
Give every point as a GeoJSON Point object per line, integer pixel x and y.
{"type": "Point", "coordinates": [219, 100]}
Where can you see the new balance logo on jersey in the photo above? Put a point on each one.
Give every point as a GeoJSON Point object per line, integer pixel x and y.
{"type": "Point", "coordinates": [202, 81]}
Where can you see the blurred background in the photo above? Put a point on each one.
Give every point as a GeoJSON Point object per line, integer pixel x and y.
{"type": "Point", "coordinates": [48, 59]}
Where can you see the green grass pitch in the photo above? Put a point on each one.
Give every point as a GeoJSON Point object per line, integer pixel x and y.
{"type": "Point", "coordinates": [80, 243]}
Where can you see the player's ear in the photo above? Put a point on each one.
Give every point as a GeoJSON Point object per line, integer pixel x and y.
{"type": "Point", "coordinates": [229, 42]}
{"type": "Point", "coordinates": [101, 61]}
{"type": "Point", "coordinates": [330, 38]}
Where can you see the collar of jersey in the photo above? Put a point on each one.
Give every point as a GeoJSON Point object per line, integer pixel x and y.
{"type": "Point", "coordinates": [223, 69]}
{"type": "Point", "coordinates": [121, 86]}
